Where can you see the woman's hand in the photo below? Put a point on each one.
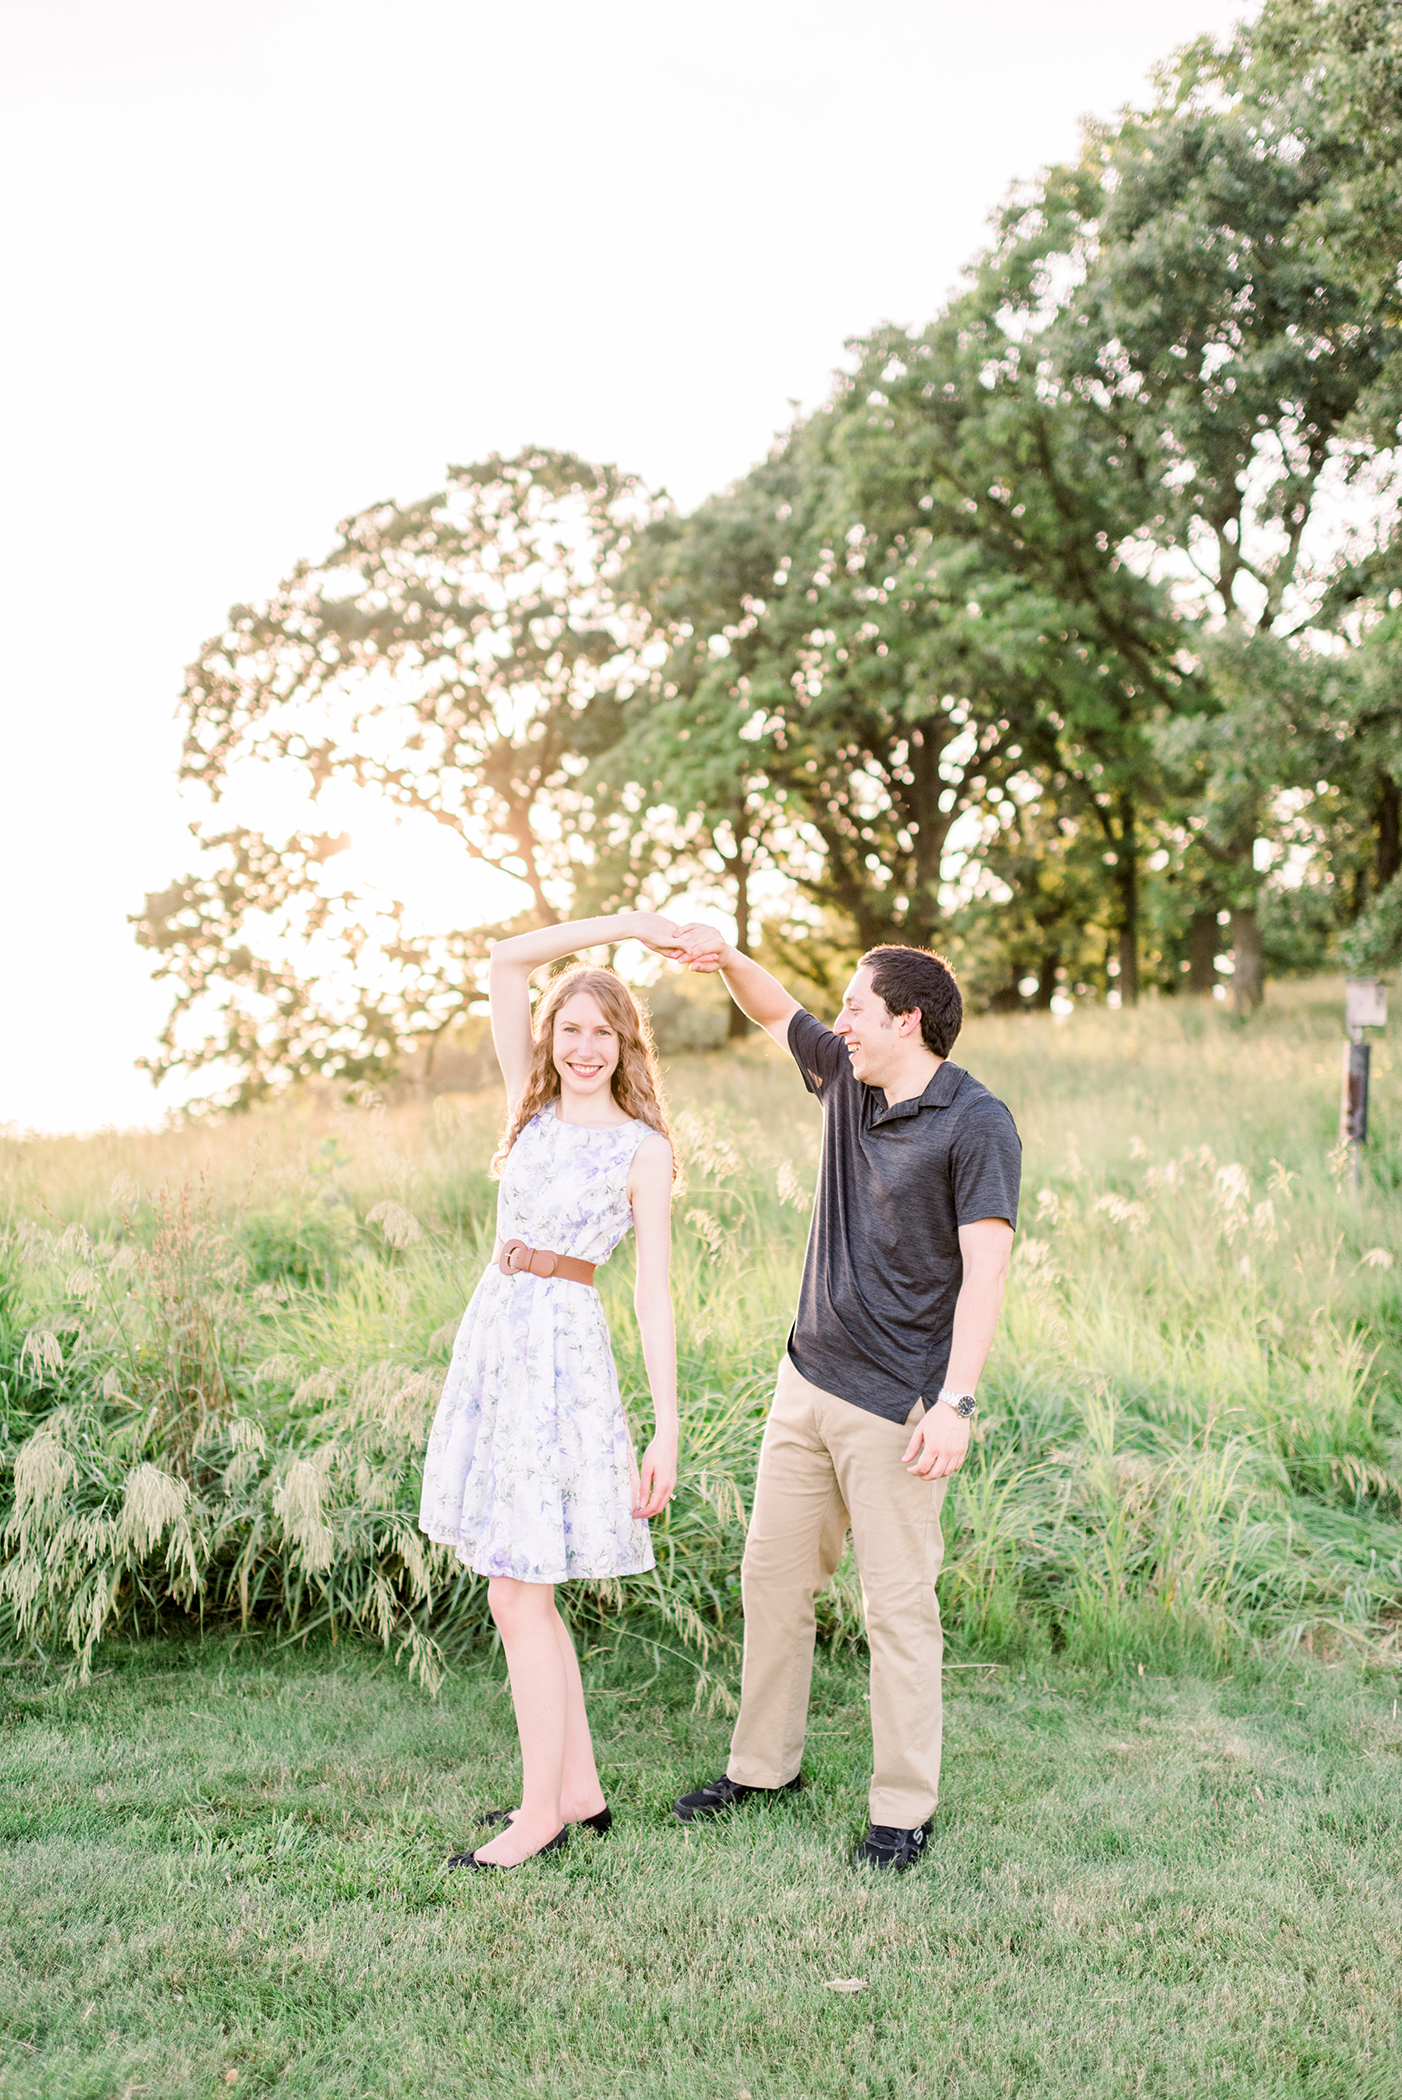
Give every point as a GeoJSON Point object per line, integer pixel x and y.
{"type": "Point", "coordinates": [655, 932]}
{"type": "Point", "coordinates": [657, 1476]}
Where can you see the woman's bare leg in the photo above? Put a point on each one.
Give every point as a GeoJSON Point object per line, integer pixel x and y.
{"type": "Point", "coordinates": [529, 1625]}
{"type": "Point", "coordinates": [580, 1791]}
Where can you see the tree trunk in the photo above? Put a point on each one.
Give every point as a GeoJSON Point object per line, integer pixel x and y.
{"type": "Point", "coordinates": [1046, 979]}
{"type": "Point", "coordinates": [1248, 971]}
{"type": "Point", "coordinates": [1387, 815]}
{"type": "Point", "coordinates": [741, 1024]}
{"type": "Point", "coordinates": [1202, 952]}
{"type": "Point", "coordinates": [1128, 872]}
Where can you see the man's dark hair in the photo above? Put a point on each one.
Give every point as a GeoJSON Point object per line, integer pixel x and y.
{"type": "Point", "coordinates": [907, 978]}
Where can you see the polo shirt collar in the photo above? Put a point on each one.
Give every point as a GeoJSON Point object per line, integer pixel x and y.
{"type": "Point", "coordinates": [938, 1094]}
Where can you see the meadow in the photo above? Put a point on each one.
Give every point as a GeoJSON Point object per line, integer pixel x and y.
{"type": "Point", "coordinates": [247, 1710]}
{"type": "Point", "coordinates": [223, 1868]}
{"type": "Point", "coordinates": [221, 1346]}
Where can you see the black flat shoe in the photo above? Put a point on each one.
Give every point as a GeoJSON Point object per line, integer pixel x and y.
{"type": "Point", "coordinates": [887, 1846]}
{"type": "Point", "coordinates": [723, 1793]}
{"type": "Point", "coordinates": [470, 1859]}
{"type": "Point", "coordinates": [601, 1824]}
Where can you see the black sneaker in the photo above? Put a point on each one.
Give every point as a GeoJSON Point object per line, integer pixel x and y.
{"type": "Point", "coordinates": [886, 1846]}
{"type": "Point", "coordinates": [723, 1793]}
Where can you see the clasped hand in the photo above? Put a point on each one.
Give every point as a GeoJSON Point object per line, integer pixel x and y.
{"type": "Point", "coordinates": [696, 946]}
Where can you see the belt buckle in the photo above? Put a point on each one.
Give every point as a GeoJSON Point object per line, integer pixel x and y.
{"type": "Point", "coordinates": [518, 1259]}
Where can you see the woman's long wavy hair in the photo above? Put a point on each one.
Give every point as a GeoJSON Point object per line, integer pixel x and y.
{"type": "Point", "coordinates": [637, 1084]}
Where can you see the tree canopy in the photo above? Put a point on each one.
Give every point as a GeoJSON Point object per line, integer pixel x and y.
{"type": "Point", "coordinates": [468, 658]}
{"type": "Point", "coordinates": [1063, 636]}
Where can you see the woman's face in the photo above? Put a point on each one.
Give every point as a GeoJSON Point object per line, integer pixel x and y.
{"type": "Point", "coordinates": [585, 1047]}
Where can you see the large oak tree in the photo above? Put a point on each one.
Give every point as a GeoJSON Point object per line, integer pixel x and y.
{"type": "Point", "coordinates": [465, 658]}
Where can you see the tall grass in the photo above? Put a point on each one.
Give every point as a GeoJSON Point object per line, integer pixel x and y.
{"type": "Point", "coordinates": [220, 1349]}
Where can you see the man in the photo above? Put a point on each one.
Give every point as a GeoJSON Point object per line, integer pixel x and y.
{"type": "Point", "coordinates": [902, 1286]}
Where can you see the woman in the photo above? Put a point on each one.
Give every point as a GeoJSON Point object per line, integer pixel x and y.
{"type": "Point", "coordinates": [530, 1471]}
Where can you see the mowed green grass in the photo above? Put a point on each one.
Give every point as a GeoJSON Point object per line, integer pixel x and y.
{"type": "Point", "coordinates": [224, 1867]}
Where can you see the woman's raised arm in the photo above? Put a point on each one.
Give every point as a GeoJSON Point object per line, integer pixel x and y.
{"type": "Point", "coordinates": [513, 960]}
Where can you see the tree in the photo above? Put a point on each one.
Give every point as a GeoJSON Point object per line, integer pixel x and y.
{"type": "Point", "coordinates": [1043, 914]}
{"type": "Point", "coordinates": [1242, 371]}
{"type": "Point", "coordinates": [962, 449]}
{"type": "Point", "coordinates": [826, 675]}
{"type": "Point", "coordinates": [465, 658]}
{"type": "Point", "coordinates": [1062, 629]}
{"type": "Point", "coordinates": [690, 745]}
{"type": "Point", "coordinates": [1158, 381]}
{"type": "Point", "coordinates": [1335, 72]}
{"type": "Point", "coordinates": [1369, 758]}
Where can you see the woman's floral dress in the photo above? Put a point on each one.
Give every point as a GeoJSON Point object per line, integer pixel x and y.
{"type": "Point", "coordinates": [530, 1469]}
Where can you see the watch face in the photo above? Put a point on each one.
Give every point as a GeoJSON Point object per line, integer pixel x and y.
{"type": "Point", "coordinates": [965, 1405]}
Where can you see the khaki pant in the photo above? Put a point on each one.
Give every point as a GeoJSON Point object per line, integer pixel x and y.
{"type": "Point", "coordinates": [826, 1464]}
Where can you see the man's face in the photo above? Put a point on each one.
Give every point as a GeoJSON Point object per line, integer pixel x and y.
{"type": "Point", "coordinates": [872, 1033]}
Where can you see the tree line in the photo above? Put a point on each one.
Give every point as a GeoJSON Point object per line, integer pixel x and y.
{"type": "Point", "coordinates": [1066, 636]}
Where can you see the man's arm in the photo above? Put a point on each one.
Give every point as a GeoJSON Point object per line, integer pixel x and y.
{"type": "Point", "coordinates": [754, 991]}
{"type": "Point", "coordinates": [938, 1444]}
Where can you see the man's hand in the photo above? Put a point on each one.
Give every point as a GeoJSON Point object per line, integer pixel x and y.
{"type": "Point", "coordinates": [938, 1444]}
{"type": "Point", "coordinates": [702, 947]}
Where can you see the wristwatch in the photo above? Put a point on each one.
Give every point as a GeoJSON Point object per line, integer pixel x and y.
{"type": "Point", "coordinates": [964, 1404]}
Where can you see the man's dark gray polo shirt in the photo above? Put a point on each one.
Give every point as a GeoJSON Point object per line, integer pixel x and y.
{"type": "Point", "coordinates": [883, 1268]}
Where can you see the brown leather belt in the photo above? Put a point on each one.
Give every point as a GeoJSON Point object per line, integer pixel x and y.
{"type": "Point", "coordinates": [517, 1259]}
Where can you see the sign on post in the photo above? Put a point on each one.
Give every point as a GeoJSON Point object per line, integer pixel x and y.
{"type": "Point", "coordinates": [1365, 1006]}
{"type": "Point", "coordinates": [1365, 1003]}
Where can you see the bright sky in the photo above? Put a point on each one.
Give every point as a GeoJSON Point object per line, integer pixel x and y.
{"type": "Point", "coordinates": [271, 261]}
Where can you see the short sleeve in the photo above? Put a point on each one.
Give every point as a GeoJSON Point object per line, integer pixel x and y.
{"type": "Point", "coordinates": [986, 1164]}
{"type": "Point", "coordinates": [819, 1054]}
